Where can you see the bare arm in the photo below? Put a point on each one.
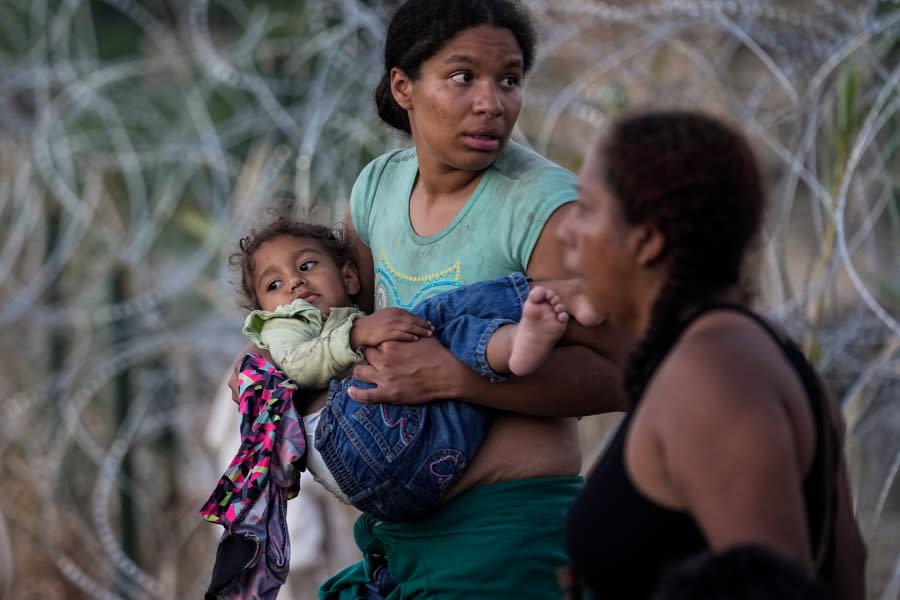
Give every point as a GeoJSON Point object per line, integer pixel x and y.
{"type": "Point", "coordinates": [730, 452]}
{"type": "Point", "coordinates": [575, 380]}
{"type": "Point", "coordinates": [365, 299]}
{"type": "Point", "coordinates": [737, 454]}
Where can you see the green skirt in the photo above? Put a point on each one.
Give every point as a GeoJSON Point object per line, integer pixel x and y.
{"type": "Point", "coordinates": [503, 540]}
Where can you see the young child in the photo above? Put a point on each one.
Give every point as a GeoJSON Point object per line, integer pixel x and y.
{"type": "Point", "coordinates": [394, 462]}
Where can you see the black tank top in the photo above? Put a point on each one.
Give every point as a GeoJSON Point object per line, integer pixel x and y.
{"type": "Point", "coordinates": [620, 543]}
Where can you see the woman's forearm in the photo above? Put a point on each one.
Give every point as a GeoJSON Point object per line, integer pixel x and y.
{"type": "Point", "coordinates": [573, 381]}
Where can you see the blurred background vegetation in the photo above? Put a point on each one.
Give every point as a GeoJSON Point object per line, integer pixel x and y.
{"type": "Point", "coordinates": [140, 138]}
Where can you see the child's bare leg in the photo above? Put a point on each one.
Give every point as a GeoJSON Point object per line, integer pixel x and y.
{"type": "Point", "coordinates": [522, 347]}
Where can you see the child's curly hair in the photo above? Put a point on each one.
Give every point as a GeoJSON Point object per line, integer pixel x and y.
{"type": "Point", "coordinates": [333, 240]}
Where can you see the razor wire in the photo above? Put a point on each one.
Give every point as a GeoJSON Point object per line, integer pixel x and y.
{"type": "Point", "coordinates": [140, 139]}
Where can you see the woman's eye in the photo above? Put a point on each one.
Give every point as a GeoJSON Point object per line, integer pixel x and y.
{"type": "Point", "coordinates": [307, 265]}
{"type": "Point", "coordinates": [274, 285]}
{"type": "Point", "coordinates": [511, 81]}
{"type": "Point", "coordinates": [461, 77]}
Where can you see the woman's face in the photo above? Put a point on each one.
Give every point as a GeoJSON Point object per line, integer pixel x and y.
{"type": "Point", "coordinates": [599, 246]}
{"type": "Point", "coordinates": [465, 103]}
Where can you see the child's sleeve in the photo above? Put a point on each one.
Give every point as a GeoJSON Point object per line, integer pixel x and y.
{"type": "Point", "coordinates": [309, 348]}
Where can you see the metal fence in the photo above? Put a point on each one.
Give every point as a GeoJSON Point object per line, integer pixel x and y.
{"type": "Point", "coordinates": [139, 139]}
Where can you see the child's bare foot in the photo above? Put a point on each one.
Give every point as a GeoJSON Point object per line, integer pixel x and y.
{"type": "Point", "coordinates": [543, 322]}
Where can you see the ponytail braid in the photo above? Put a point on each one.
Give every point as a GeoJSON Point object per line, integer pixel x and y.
{"type": "Point", "coordinates": [663, 331]}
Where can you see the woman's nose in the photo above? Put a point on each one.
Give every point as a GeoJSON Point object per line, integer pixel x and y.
{"type": "Point", "coordinates": [488, 99]}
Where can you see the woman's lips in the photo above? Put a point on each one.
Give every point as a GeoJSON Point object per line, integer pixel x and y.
{"type": "Point", "coordinates": [482, 143]}
{"type": "Point", "coordinates": [487, 140]}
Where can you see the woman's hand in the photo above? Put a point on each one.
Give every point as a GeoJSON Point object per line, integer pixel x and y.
{"type": "Point", "coordinates": [410, 373]}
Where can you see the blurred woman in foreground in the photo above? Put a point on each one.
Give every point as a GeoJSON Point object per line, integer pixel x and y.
{"type": "Point", "coordinates": [731, 437]}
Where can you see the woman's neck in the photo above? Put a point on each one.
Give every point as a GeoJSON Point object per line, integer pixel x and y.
{"type": "Point", "coordinates": [436, 200]}
{"type": "Point", "coordinates": [732, 294]}
{"type": "Point", "coordinates": [445, 181]}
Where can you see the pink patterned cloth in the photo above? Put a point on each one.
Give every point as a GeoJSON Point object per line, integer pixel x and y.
{"type": "Point", "coordinates": [250, 499]}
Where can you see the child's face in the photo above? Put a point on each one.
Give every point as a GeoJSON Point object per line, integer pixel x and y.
{"type": "Point", "coordinates": [288, 268]}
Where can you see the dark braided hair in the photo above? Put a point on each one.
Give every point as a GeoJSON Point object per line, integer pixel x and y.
{"type": "Point", "coordinates": [420, 28]}
{"type": "Point", "coordinates": [698, 182]}
{"type": "Point", "coordinates": [333, 241]}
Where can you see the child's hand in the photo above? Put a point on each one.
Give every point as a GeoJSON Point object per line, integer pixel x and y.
{"type": "Point", "coordinates": [234, 383]}
{"type": "Point", "coordinates": [388, 324]}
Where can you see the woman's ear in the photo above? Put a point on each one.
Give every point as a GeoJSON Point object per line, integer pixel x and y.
{"type": "Point", "coordinates": [401, 88]}
{"type": "Point", "coordinates": [351, 278]}
{"type": "Point", "coordinates": [649, 244]}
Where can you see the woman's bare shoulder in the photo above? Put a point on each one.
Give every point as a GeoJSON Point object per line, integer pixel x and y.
{"type": "Point", "coordinates": [721, 410]}
{"type": "Point", "coordinates": [723, 369]}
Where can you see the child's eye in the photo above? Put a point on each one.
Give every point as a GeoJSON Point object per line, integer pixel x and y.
{"type": "Point", "coordinates": [274, 285]}
{"type": "Point", "coordinates": [307, 265]}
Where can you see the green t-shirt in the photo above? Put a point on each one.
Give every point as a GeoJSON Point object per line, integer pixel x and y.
{"type": "Point", "coordinates": [493, 234]}
{"type": "Point", "coordinates": [503, 540]}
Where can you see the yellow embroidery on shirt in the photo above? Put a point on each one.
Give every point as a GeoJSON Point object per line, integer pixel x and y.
{"type": "Point", "coordinates": [455, 269]}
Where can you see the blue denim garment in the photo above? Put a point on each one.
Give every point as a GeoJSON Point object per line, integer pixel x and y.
{"type": "Point", "coordinates": [396, 462]}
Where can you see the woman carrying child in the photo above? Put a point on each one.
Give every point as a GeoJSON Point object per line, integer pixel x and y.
{"type": "Point", "coordinates": [393, 462]}
{"type": "Point", "coordinates": [465, 204]}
